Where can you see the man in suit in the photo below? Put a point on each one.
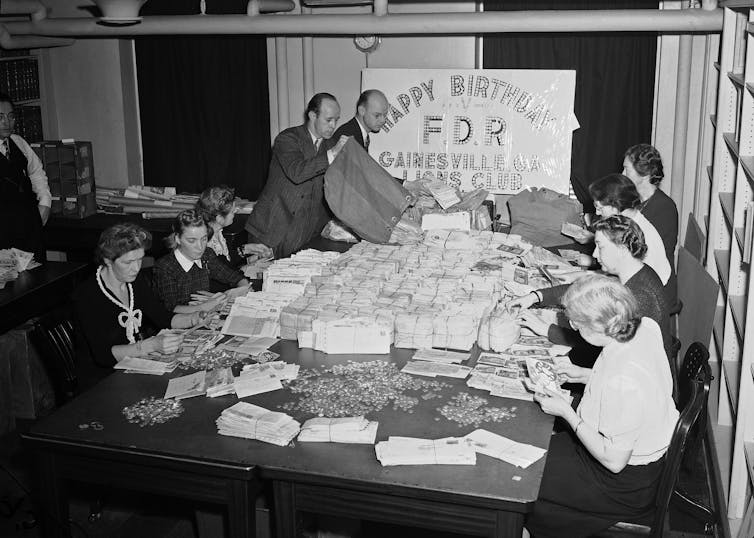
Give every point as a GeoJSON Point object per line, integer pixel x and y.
{"type": "Point", "coordinates": [371, 112]}
{"type": "Point", "coordinates": [291, 210]}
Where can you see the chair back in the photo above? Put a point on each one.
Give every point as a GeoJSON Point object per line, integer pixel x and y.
{"type": "Point", "coordinates": [693, 390]}
{"type": "Point", "coordinates": [54, 339]}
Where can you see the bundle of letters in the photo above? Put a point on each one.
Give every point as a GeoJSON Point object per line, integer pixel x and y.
{"type": "Point", "coordinates": [213, 383]}
{"type": "Point", "coordinates": [356, 430]}
{"type": "Point", "coordinates": [264, 377]}
{"type": "Point", "coordinates": [156, 364]}
{"type": "Point", "coordinates": [291, 275]}
{"type": "Point", "coordinates": [253, 422]}
{"type": "Point", "coordinates": [522, 370]}
{"type": "Point", "coordinates": [257, 314]}
{"type": "Point", "coordinates": [413, 451]}
{"type": "Point", "coordinates": [14, 261]}
{"type": "Point", "coordinates": [348, 335]}
{"type": "Point", "coordinates": [502, 448]}
{"type": "Point", "coordinates": [430, 293]}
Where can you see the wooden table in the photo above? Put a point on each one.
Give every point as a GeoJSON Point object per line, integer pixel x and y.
{"type": "Point", "coordinates": [37, 291]}
{"type": "Point", "coordinates": [183, 458]}
{"type": "Point", "coordinates": [488, 499]}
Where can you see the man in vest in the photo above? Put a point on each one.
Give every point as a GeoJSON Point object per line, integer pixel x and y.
{"type": "Point", "coordinates": [25, 198]}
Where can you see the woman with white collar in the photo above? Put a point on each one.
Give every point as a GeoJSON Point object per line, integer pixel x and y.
{"type": "Point", "coordinates": [185, 273]}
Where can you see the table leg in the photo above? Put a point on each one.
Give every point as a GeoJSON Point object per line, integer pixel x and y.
{"type": "Point", "coordinates": [241, 508]}
{"type": "Point", "coordinates": [286, 514]}
{"type": "Point", "coordinates": [508, 524]}
{"type": "Point", "coordinates": [51, 497]}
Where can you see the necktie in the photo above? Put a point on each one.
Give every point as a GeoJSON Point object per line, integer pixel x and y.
{"type": "Point", "coordinates": [317, 143]}
{"type": "Point", "coordinates": [366, 142]}
{"type": "Point", "coordinates": [4, 147]}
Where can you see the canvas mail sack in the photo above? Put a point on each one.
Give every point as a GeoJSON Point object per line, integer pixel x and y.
{"type": "Point", "coordinates": [537, 215]}
{"type": "Point", "coordinates": [363, 195]}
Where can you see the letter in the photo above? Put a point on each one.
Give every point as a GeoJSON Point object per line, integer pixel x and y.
{"type": "Point", "coordinates": [534, 113]}
{"type": "Point", "coordinates": [455, 179]}
{"type": "Point", "coordinates": [442, 176]}
{"type": "Point", "coordinates": [457, 129]}
{"type": "Point", "coordinates": [399, 162]}
{"type": "Point", "coordinates": [404, 100]}
{"type": "Point", "coordinates": [456, 85]}
{"type": "Point", "coordinates": [417, 160]}
{"type": "Point", "coordinates": [456, 159]}
{"type": "Point", "coordinates": [534, 164]}
{"type": "Point", "coordinates": [442, 161]}
{"type": "Point", "coordinates": [499, 161]}
{"type": "Point", "coordinates": [395, 113]}
{"type": "Point", "coordinates": [416, 94]}
{"type": "Point", "coordinates": [428, 88]}
{"type": "Point", "coordinates": [385, 159]}
{"type": "Point", "coordinates": [522, 103]}
{"type": "Point", "coordinates": [430, 160]}
{"type": "Point", "coordinates": [495, 87]}
{"type": "Point", "coordinates": [509, 93]}
{"type": "Point", "coordinates": [495, 129]}
{"type": "Point", "coordinates": [470, 86]}
{"type": "Point", "coordinates": [429, 128]}
{"type": "Point", "coordinates": [520, 163]}
{"type": "Point", "coordinates": [482, 83]}
{"type": "Point", "coordinates": [477, 180]}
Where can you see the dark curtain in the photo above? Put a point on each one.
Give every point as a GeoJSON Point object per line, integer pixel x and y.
{"type": "Point", "coordinates": [204, 105]}
{"type": "Point", "coordinates": [615, 77]}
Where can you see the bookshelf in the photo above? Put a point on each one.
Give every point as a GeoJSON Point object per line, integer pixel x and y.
{"type": "Point", "coordinates": [729, 239]}
{"type": "Point", "coordinates": [19, 78]}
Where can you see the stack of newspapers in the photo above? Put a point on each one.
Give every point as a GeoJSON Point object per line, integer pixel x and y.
{"type": "Point", "coordinates": [413, 451]}
{"type": "Point", "coordinates": [253, 422]}
{"type": "Point", "coordinates": [339, 430]}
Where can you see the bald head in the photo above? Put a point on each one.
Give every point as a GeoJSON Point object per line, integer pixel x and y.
{"type": "Point", "coordinates": [371, 109]}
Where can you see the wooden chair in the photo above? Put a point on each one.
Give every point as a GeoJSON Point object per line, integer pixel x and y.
{"type": "Point", "coordinates": [694, 382]}
{"type": "Point", "coordinates": [54, 339]}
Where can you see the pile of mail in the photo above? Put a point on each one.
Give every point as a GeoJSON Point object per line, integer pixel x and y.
{"type": "Point", "coordinates": [253, 422]}
{"type": "Point", "coordinates": [290, 276]}
{"type": "Point", "coordinates": [351, 335]}
{"type": "Point", "coordinates": [413, 451]}
{"type": "Point", "coordinates": [14, 261]}
{"type": "Point", "coordinates": [263, 377]}
{"type": "Point", "coordinates": [339, 430]}
{"type": "Point", "coordinates": [502, 448]}
{"type": "Point", "coordinates": [155, 364]}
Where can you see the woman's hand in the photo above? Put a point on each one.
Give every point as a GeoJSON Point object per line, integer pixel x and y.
{"type": "Point", "coordinates": [553, 403]}
{"type": "Point", "coordinates": [202, 296]}
{"type": "Point", "coordinates": [167, 343]}
{"type": "Point", "coordinates": [535, 322]}
{"type": "Point", "coordinates": [570, 373]}
{"type": "Point", "coordinates": [214, 303]}
{"type": "Point", "coordinates": [259, 250]}
{"type": "Point", "coordinates": [523, 302]}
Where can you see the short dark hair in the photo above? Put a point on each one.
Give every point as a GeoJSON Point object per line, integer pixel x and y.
{"type": "Point", "coordinates": [647, 161]}
{"type": "Point", "coordinates": [216, 201]}
{"type": "Point", "coordinates": [622, 230]}
{"type": "Point", "coordinates": [119, 239]}
{"type": "Point", "coordinates": [615, 190]}
{"type": "Point", "coordinates": [315, 103]}
{"type": "Point", "coordinates": [364, 97]}
{"type": "Point", "coordinates": [5, 98]}
{"type": "Point", "coordinates": [188, 218]}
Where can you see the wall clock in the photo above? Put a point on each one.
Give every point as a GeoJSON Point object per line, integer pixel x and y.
{"type": "Point", "coordinates": [366, 43]}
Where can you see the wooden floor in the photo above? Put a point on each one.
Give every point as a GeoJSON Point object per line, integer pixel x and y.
{"type": "Point", "coordinates": [128, 516]}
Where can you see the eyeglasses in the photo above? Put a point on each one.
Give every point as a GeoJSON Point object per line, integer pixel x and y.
{"type": "Point", "coordinates": [9, 117]}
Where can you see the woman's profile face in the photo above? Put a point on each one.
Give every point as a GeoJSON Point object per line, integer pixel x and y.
{"type": "Point", "coordinates": [227, 220]}
{"type": "Point", "coordinates": [127, 266]}
{"type": "Point", "coordinates": [607, 253]}
{"type": "Point", "coordinates": [605, 210]}
{"type": "Point", "coordinates": [630, 172]}
{"type": "Point", "coordinates": [192, 242]}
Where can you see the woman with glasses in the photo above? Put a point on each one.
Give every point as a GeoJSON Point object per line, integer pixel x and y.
{"type": "Point", "coordinates": [606, 467]}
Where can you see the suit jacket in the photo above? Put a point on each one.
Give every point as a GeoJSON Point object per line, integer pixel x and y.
{"type": "Point", "coordinates": [291, 209]}
{"type": "Point", "coordinates": [350, 128]}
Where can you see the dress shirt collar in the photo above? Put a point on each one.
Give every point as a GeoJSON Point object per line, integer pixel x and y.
{"type": "Point", "coordinates": [314, 137]}
{"type": "Point", "coordinates": [184, 262]}
{"type": "Point", "coordinates": [364, 133]}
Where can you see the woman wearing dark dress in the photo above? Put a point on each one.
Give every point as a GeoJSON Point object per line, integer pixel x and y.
{"type": "Point", "coordinates": [607, 466]}
{"type": "Point", "coordinates": [619, 247]}
{"type": "Point", "coordinates": [182, 278]}
{"type": "Point", "coordinates": [113, 307]}
{"type": "Point", "coordinates": [642, 164]}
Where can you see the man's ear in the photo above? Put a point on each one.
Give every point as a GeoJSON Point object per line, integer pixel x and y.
{"type": "Point", "coordinates": [311, 115]}
{"type": "Point", "coordinates": [361, 110]}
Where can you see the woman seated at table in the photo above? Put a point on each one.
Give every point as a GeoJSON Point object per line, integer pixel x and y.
{"type": "Point", "coordinates": [607, 467]}
{"type": "Point", "coordinates": [620, 248]}
{"type": "Point", "coordinates": [642, 164]}
{"type": "Point", "coordinates": [183, 276]}
{"type": "Point", "coordinates": [113, 307]}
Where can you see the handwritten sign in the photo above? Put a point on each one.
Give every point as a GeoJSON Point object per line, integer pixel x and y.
{"type": "Point", "coordinates": [498, 129]}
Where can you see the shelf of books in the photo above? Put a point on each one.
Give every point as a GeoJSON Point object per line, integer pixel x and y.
{"type": "Point", "coordinates": [19, 79]}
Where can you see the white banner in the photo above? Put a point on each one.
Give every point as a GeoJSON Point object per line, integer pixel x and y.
{"type": "Point", "coordinates": [499, 129]}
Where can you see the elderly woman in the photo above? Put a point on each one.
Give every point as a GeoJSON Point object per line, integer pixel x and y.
{"type": "Point", "coordinates": [113, 307]}
{"type": "Point", "coordinates": [185, 273]}
{"type": "Point", "coordinates": [620, 249]}
{"type": "Point", "coordinates": [606, 468]}
{"type": "Point", "coordinates": [217, 206]}
{"type": "Point", "coordinates": [642, 164]}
